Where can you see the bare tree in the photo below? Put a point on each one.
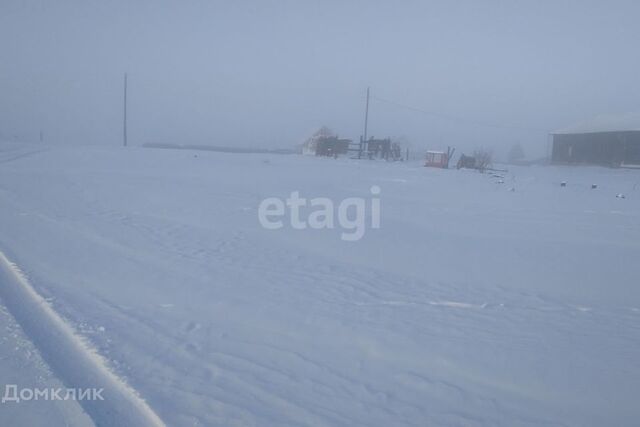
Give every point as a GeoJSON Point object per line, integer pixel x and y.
{"type": "Point", "coordinates": [484, 159]}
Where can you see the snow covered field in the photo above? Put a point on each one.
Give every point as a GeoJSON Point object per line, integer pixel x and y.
{"type": "Point", "coordinates": [471, 305]}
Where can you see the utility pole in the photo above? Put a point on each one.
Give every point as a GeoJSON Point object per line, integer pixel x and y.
{"type": "Point", "coordinates": [125, 111]}
{"type": "Point", "coordinates": [363, 142]}
{"type": "Point", "coordinates": [366, 116]}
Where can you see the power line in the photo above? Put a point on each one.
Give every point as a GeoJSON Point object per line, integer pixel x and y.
{"type": "Point", "coordinates": [455, 118]}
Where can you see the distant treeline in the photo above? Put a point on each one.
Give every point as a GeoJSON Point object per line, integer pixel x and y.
{"type": "Point", "coordinates": [243, 150]}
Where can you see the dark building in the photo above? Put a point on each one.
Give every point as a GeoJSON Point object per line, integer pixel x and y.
{"type": "Point", "coordinates": [332, 146]}
{"type": "Point", "coordinates": [607, 141]}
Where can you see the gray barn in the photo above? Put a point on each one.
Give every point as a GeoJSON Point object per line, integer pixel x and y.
{"type": "Point", "coordinates": [606, 140]}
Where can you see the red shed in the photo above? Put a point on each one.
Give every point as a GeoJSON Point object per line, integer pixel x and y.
{"type": "Point", "coordinates": [436, 159]}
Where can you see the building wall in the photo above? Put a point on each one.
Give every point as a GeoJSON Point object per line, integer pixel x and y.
{"type": "Point", "coordinates": [332, 146]}
{"type": "Point", "coordinates": [598, 148]}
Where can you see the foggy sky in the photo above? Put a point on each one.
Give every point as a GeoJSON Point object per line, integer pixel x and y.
{"type": "Point", "coordinates": [268, 73]}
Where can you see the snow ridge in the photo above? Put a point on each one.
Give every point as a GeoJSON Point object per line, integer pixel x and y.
{"type": "Point", "coordinates": [70, 356]}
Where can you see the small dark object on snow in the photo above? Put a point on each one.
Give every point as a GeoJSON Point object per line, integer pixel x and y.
{"type": "Point", "coordinates": [563, 184]}
{"type": "Point", "coordinates": [620, 196]}
{"type": "Point", "coordinates": [467, 162]}
{"type": "Point", "coordinates": [594, 186]}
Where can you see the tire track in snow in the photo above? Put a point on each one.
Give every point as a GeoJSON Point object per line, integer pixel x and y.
{"type": "Point", "coordinates": [21, 155]}
{"type": "Point", "coordinates": [70, 357]}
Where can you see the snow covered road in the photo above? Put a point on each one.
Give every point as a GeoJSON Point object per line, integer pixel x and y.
{"type": "Point", "coordinates": [78, 365]}
{"type": "Point", "coordinates": [20, 363]}
{"type": "Point", "coordinates": [471, 305]}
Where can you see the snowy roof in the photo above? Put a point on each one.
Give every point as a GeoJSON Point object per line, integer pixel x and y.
{"type": "Point", "coordinates": [605, 123]}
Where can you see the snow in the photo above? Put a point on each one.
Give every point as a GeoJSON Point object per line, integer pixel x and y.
{"type": "Point", "coordinates": [470, 305]}
{"type": "Point", "coordinates": [79, 365]}
{"type": "Point", "coordinates": [20, 363]}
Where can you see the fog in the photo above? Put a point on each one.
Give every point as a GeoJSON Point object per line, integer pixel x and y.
{"type": "Point", "coordinates": [269, 73]}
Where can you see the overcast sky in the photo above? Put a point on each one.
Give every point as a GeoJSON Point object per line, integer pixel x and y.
{"type": "Point", "coordinates": [268, 73]}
